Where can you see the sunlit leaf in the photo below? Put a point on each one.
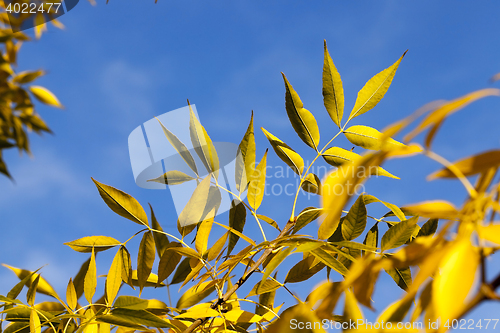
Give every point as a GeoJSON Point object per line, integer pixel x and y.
{"type": "Point", "coordinates": [355, 221]}
{"type": "Point", "coordinates": [306, 216]}
{"type": "Point", "coordinates": [398, 234]}
{"type": "Point", "coordinates": [35, 326]}
{"type": "Point", "coordinates": [140, 317]}
{"type": "Point", "coordinates": [27, 76]}
{"type": "Point", "coordinates": [168, 262]}
{"type": "Point", "coordinates": [436, 117]}
{"type": "Point", "coordinates": [433, 209]}
{"type": "Point", "coordinates": [453, 283]}
{"type": "Point", "coordinates": [45, 96]}
{"type": "Point", "coordinates": [368, 199]}
{"type": "Point", "coordinates": [257, 184]}
{"type": "Point", "coordinates": [352, 312]}
{"type": "Point", "coordinates": [311, 184]}
{"type": "Point", "coordinates": [490, 233]}
{"type": "Point", "coordinates": [264, 287]}
{"type": "Point", "coordinates": [43, 286]}
{"type": "Point", "coordinates": [245, 164]}
{"type": "Point", "coordinates": [237, 218]}
{"type": "Point", "coordinates": [471, 165]}
{"type": "Point", "coordinates": [180, 148]}
{"type": "Point", "coordinates": [302, 120]}
{"type": "Point", "coordinates": [374, 90]}
{"type": "Point", "coordinates": [329, 260]}
{"type": "Point", "coordinates": [194, 209]}
{"type": "Point", "coordinates": [429, 228]}
{"type": "Point", "coordinates": [195, 295]}
{"type": "Point", "coordinates": [303, 270]}
{"type": "Point", "coordinates": [287, 154]}
{"type": "Point", "coordinates": [98, 243]}
{"type": "Point", "coordinates": [203, 144]}
{"type": "Point", "coordinates": [161, 240]}
{"type": "Point", "coordinates": [216, 249]}
{"type": "Point", "coordinates": [242, 316]}
{"type": "Point", "coordinates": [201, 242]}
{"type": "Point", "coordinates": [152, 280]}
{"type": "Point", "coordinates": [145, 259]}
{"type": "Point", "coordinates": [122, 204]}
{"type": "Point", "coordinates": [333, 92]}
{"type": "Point", "coordinates": [276, 261]}
{"type": "Point", "coordinates": [114, 278]}
{"type": "Point", "coordinates": [269, 221]}
{"type": "Point", "coordinates": [371, 238]}
{"type": "Point", "coordinates": [31, 293]}
{"type": "Point", "coordinates": [131, 302]}
{"type": "Point", "coordinates": [71, 297]}
{"type": "Point", "coordinates": [369, 138]}
{"type": "Point", "coordinates": [90, 282]}
{"type": "Point", "coordinates": [172, 177]}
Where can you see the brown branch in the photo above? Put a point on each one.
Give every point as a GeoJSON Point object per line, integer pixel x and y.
{"type": "Point", "coordinates": [227, 295]}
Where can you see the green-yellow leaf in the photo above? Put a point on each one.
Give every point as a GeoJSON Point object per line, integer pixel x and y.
{"type": "Point", "coordinates": [35, 326]}
{"type": "Point", "coordinates": [169, 260]}
{"type": "Point", "coordinates": [30, 295]}
{"type": "Point", "coordinates": [140, 317]}
{"type": "Point", "coordinates": [152, 280]}
{"type": "Point", "coordinates": [303, 270]}
{"type": "Point", "coordinates": [122, 203]}
{"type": "Point", "coordinates": [161, 240]}
{"type": "Point", "coordinates": [311, 184]}
{"type": "Point", "coordinates": [374, 90]}
{"type": "Point", "coordinates": [27, 76]}
{"type": "Point", "coordinates": [172, 177]}
{"type": "Point", "coordinates": [195, 295]}
{"type": "Point", "coordinates": [329, 260]}
{"type": "Point", "coordinates": [181, 272]}
{"type": "Point", "coordinates": [287, 154]}
{"type": "Point", "coordinates": [193, 211]}
{"type": "Point", "coordinates": [98, 243]}
{"type": "Point", "coordinates": [114, 278]}
{"type": "Point", "coordinates": [368, 199]}
{"type": "Point", "coordinates": [257, 184]}
{"type": "Point", "coordinates": [269, 221]}
{"type": "Point", "coordinates": [276, 261]}
{"type": "Point", "coordinates": [131, 302]}
{"type": "Point", "coordinates": [490, 233]}
{"type": "Point", "coordinates": [180, 148]}
{"type": "Point", "coordinates": [245, 158]}
{"type": "Point", "coordinates": [45, 96]}
{"type": "Point", "coordinates": [90, 282]}
{"type": "Point", "coordinates": [306, 216]}
{"type": "Point", "coordinates": [402, 276]}
{"type": "Point", "coordinates": [145, 259]}
{"type": "Point", "coordinates": [264, 287]}
{"type": "Point", "coordinates": [217, 248]}
{"type": "Point", "coordinates": [203, 144]}
{"type": "Point", "coordinates": [71, 297]}
{"type": "Point", "coordinates": [237, 219]}
{"type": "Point", "coordinates": [355, 221]}
{"type": "Point", "coordinates": [126, 266]}
{"type": "Point", "coordinates": [470, 165]}
{"type": "Point", "coordinates": [398, 234]}
{"type": "Point", "coordinates": [333, 92]}
{"type": "Point", "coordinates": [369, 138]}
{"type": "Point", "coordinates": [302, 120]}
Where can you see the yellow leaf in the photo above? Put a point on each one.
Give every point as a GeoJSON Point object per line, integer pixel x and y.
{"type": "Point", "coordinates": [374, 90]}
{"type": "Point", "coordinates": [194, 209]}
{"type": "Point", "coordinates": [287, 154]}
{"type": "Point", "coordinates": [333, 92]}
{"type": "Point", "coordinates": [245, 160]}
{"type": "Point", "coordinates": [90, 281]}
{"type": "Point", "coordinates": [436, 117]}
{"type": "Point", "coordinates": [241, 316]}
{"type": "Point", "coordinates": [71, 298]}
{"type": "Point", "coordinates": [122, 203]}
{"type": "Point", "coordinates": [114, 278]}
{"type": "Point", "coordinates": [471, 165]}
{"type": "Point", "coordinates": [43, 286]}
{"type": "Point", "coordinates": [199, 311]}
{"type": "Point", "coordinates": [257, 184]}
{"type": "Point", "coordinates": [405, 151]}
{"type": "Point", "coordinates": [35, 326]}
{"type": "Point", "coordinates": [351, 309]}
{"type": "Point", "coordinates": [203, 144]}
{"type": "Point", "coordinates": [201, 242]}
{"type": "Point", "coordinates": [369, 138]}
{"type": "Point", "coordinates": [98, 243]}
{"type": "Point", "coordinates": [45, 96]}
{"type": "Point", "coordinates": [490, 233]}
{"type": "Point", "coordinates": [455, 279]}
{"type": "Point", "coordinates": [433, 209]}
{"type": "Point", "coordinates": [302, 120]}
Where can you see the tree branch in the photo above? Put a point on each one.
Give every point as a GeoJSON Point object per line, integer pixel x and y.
{"type": "Point", "coordinates": [243, 279]}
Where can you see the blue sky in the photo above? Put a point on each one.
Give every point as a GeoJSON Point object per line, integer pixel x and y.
{"type": "Point", "coordinates": [116, 66]}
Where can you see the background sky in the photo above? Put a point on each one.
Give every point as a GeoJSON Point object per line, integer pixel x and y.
{"type": "Point", "coordinates": [118, 65]}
